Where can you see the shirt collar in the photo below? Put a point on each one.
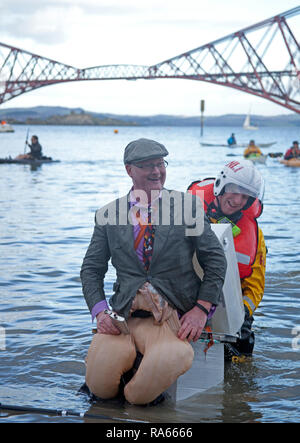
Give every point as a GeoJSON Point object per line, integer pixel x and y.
{"type": "Point", "coordinates": [134, 202]}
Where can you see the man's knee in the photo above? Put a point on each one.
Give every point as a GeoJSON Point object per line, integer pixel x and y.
{"type": "Point", "coordinates": [165, 358]}
{"type": "Point", "coordinates": [109, 357]}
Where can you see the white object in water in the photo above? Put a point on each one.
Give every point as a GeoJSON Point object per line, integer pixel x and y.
{"type": "Point", "coordinates": [5, 127]}
{"type": "Point", "coordinates": [208, 369]}
{"type": "Point", "coordinates": [258, 159]}
{"type": "Point", "coordinates": [247, 124]}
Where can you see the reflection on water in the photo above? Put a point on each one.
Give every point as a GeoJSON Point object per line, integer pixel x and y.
{"type": "Point", "coordinates": [47, 216]}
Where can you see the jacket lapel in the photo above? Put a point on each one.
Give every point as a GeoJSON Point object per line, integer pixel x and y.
{"type": "Point", "coordinates": [125, 229]}
{"type": "Point", "coordinates": [126, 238]}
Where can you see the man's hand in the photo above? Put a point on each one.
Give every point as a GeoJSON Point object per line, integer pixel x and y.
{"type": "Point", "coordinates": [193, 322]}
{"type": "Point", "coordinates": [105, 325]}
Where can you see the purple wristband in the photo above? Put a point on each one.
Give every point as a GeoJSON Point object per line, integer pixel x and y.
{"type": "Point", "coordinates": [211, 312]}
{"type": "Point", "coordinates": [99, 307]}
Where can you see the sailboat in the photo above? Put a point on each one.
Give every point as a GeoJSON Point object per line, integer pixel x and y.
{"type": "Point", "coordinates": [247, 123]}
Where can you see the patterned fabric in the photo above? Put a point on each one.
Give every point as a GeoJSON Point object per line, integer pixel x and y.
{"type": "Point", "coordinates": [148, 242]}
{"type": "Point", "coordinates": [148, 246]}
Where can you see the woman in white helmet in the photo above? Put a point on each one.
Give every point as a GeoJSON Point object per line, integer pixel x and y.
{"type": "Point", "coordinates": [236, 197]}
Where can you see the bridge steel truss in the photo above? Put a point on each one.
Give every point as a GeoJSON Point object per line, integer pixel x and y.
{"type": "Point", "coordinates": [263, 60]}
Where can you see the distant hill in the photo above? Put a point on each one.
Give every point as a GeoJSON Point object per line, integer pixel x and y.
{"type": "Point", "coordinates": [56, 115]}
{"type": "Point", "coordinates": [44, 115]}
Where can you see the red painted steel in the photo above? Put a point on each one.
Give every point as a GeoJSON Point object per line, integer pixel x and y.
{"type": "Point", "coordinates": [262, 59]}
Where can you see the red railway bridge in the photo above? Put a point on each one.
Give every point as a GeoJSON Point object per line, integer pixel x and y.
{"type": "Point", "coordinates": [262, 59]}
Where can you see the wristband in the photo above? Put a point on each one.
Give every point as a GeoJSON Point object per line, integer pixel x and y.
{"type": "Point", "coordinates": [202, 308]}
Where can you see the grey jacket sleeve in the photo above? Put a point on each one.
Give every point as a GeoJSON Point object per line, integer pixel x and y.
{"type": "Point", "coordinates": [211, 258]}
{"type": "Point", "coordinates": [94, 267]}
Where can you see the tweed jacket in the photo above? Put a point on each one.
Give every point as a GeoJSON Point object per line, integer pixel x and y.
{"type": "Point", "coordinates": [171, 270]}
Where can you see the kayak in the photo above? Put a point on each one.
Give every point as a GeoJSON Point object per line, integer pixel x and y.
{"type": "Point", "coordinates": [254, 158]}
{"type": "Point", "coordinates": [257, 158]}
{"type": "Point", "coordinates": [275, 154]}
{"type": "Point", "coordinates": [292, 162]}
{"type": "Point", "coordinates": [241, 145]}
{"type": "Point", "coordinates": [27, 161]}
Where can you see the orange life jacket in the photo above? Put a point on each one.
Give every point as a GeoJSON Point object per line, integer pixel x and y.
{"type": "Point", "coordinates": [247, 241]}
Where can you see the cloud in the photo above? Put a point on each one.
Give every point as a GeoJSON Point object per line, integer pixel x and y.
{"type": "Point", "coordinates": [85, 33]}
{"type": "Point", "coordinates": [53, 21]}
{"type": "Point", "coordinates": [187, 24]}
{"type": "Point", "coordinates": [20, 7]}
{"type": "Point", "coordinates": [43, 25]}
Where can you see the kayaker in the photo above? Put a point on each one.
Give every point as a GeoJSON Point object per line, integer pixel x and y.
{"type": "Point", "coordinates": [35, 151]}
{"type": "Point", "coordinates": [35, 148]}
{"type": "Point", "coordinates": [232, 140]}
{"type": "Point", "coordinates": [147, 248]}
{"type": "Point", "coordinates": [236, 196]}
{"type": "Point", "coordinates": [252, 150]}
{"type": "Point", "coordinates": [293, 152]}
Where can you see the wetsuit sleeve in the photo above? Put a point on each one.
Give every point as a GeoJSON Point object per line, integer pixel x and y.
{"type": "Point", "coordinates": [253, 287]}
{"type": "Point", "coordinates": [94, 267]}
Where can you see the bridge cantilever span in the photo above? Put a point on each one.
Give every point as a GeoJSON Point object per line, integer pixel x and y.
{"type": "Point", "coordinates": [263, 60]}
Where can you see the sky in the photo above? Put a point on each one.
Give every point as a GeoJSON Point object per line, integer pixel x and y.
{"type": "Point", "coordinates": [85, 33]}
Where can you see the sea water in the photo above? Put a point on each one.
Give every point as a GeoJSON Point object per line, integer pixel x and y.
{"type": "Point", "coordinates": [47, 217]}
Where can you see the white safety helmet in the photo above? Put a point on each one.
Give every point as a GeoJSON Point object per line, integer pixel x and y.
{"type": "Point", "coordinates": [240, 177]}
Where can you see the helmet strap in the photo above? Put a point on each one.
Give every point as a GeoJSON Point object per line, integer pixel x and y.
{"type": "Point", "coordinates": [249, 203]}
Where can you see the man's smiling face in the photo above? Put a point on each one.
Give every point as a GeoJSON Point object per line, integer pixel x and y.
{"type": "Point", "coordinates": [148, 175]}
{"type": "Point", "coordinates": [231, 203]}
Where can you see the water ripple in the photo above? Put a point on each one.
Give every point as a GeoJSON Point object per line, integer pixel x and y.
{"type": "Point", "coordinates": [47, 218]}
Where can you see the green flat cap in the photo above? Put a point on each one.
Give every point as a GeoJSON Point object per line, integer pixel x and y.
{"type": "Point", "coordinates": [143, 149]}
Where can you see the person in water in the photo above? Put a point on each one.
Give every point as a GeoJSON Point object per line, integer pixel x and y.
{"type": "Point", "coordinates": [35, 151]}
{"type": "Point", "coordinates": [236, 196]}
{"type": "Point", "coordinates": [35, 148]}
{"type": "Point", "coordinates": [252, 150]}
{"type": "Point", "coordinates": [232, 140]}
{"type": "Point", "coordinates": [153, 263]}
{"type": "Point", "coordinates": [293, 152]}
